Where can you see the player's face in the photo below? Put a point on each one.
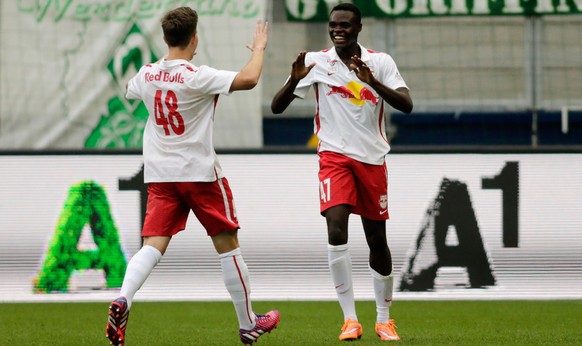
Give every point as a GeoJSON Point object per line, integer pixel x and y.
{"type": "Point", "coordinates": [343, 29]}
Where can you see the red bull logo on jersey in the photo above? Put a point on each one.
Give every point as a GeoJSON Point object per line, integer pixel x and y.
{"type": "Point", "coordinates": [355, 92]}
{"type": "Point", "coordinates": [164, 77]}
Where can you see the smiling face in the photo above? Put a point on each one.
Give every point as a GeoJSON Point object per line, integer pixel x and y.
{"type": "Point", "coordinates": [343, 29]}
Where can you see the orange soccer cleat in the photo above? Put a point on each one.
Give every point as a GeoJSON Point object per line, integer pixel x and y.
{"type": "Point", "coordinates": [387, 331]}
{"type": "Point", "coordinates": [352, 330]}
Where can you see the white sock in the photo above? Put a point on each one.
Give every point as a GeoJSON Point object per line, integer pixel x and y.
{"type": "Point", "coordinates": [138, 269]}
{"type": "Point", "coordinates": [236, 279]}
{"type": "Point", "coordinates": [383, 287]}
{"type": "Point", "coordinates": [340, 266]}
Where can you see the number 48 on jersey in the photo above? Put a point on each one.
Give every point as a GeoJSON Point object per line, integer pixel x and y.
{"type": "Point", "coordinates": [173, 119]}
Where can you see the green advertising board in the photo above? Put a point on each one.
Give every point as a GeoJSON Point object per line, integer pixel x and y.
{"type": "Point", "coordinates": [318, 10]}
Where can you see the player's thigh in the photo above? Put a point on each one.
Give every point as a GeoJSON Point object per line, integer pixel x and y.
{"type": "Point", "coordinates": [212, 203]}
{"type": "Point", "coordinates": [166, 212]}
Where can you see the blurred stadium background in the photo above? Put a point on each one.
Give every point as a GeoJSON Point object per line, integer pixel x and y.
{"type": "Point", "coordinates": [497, 90]}
{"type": "Point", "coordinates": [506, 79]}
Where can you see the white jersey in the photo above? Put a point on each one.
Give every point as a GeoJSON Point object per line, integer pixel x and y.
{"type": "Point", "coordinates": [349, 116]}
{"type": "Point", "coordinates": [180, 98]}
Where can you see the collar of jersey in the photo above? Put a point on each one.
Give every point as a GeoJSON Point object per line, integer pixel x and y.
{"type": "Point", "coordinates": [365, 55]}
{"type": "Point", "coordinates": [174, 62]}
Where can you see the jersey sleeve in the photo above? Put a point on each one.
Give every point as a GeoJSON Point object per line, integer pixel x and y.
{"type": "Point", "coordinates": [134, 86]}
{"type": "Point", "coordinates": [304, 85]}
{"type": "Point", "coordinates": [211, 81]}
{"type": "Point", "coordinates": [391, 77]}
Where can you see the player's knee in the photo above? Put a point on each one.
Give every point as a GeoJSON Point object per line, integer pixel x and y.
{"type": "Point", "coordinates": [337, 236]}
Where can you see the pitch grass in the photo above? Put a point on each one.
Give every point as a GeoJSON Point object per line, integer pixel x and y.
{"type": "Point", "coordinates": [302, 323]}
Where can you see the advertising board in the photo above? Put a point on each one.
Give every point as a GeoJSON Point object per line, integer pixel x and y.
{"type": "Point", "coordinates": [462, 226]}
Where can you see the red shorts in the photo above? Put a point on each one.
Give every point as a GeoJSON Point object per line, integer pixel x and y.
{"type": "Point", "coordinates": [170, 203]}
{"type": "Point", "coordinates": [343, 180]}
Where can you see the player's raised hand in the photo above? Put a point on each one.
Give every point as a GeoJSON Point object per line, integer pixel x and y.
{"type": "Point", "coordinates": [298, 68]}
{"type": "Point", "coordinates": [361, 69]}
{"type": "Point", "coordinates": [261, 36]}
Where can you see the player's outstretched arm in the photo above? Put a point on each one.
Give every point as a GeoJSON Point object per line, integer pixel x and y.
{"type": "Point", "coordinates": [285, 96]}
{"type": "Point", "coordinates": [249, 75]}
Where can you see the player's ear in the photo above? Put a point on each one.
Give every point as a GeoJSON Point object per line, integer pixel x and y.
{"type": "Point", "coordinates": [194, 43]}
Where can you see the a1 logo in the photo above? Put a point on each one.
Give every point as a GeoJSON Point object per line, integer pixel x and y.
{"type": "Point", "coordinates": [452, 209]}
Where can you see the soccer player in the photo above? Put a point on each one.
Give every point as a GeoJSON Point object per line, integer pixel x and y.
{"type": "Point", "coordinates": [352, 86]}
{"type": "Point", "coordinates": [182, 170]}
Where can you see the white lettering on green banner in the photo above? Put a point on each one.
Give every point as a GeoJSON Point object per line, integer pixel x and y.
{"type": "Point", "coordinates": [318, 10]}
